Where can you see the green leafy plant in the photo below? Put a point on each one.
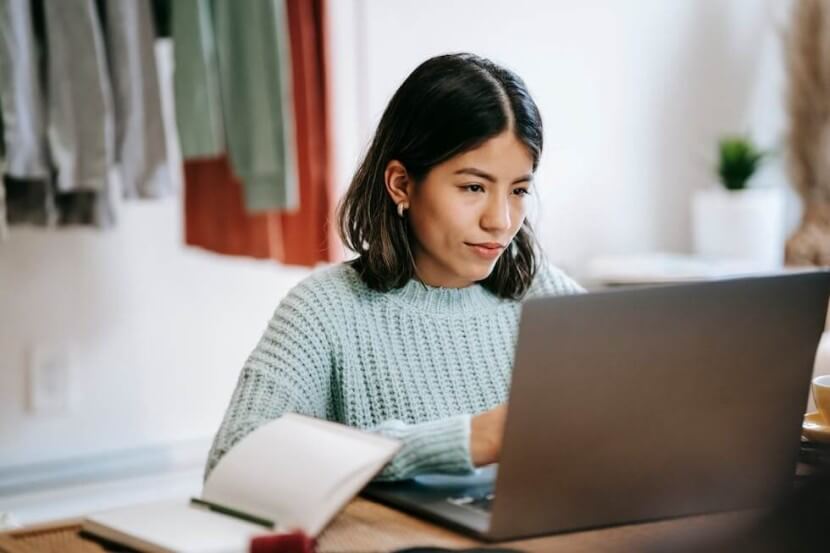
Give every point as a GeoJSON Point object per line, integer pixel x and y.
{"type": "Point", "coordinates": [739, 159]}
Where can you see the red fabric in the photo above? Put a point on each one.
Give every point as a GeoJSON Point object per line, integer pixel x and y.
{"type": "Point", "coordinates": [307, 229]}
{"type": "Point", "coordinates": [215, 217]}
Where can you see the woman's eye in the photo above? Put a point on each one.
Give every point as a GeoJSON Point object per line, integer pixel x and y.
{"type": "Point", "coordinates": [521, 191]}
{"type": "Point", "coordinates": [474, 187]}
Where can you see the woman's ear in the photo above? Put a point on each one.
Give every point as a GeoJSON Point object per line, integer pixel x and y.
{"type": "Point", "coordinates": [397, 181]}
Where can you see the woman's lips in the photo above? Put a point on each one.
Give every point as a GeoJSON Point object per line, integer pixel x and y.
{"type": "Point", "coordinates": [487, 250]}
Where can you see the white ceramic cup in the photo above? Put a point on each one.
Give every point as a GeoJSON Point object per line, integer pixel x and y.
{"type": "Point", "coordinates": [821, 396]}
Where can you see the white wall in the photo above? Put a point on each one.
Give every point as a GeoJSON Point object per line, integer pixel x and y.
{"type": "Point", "coordinates": [633, 93]}
{"type": "Point", "coordinates": [159, 331]}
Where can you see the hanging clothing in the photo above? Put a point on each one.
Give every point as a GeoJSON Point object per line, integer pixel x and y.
{"type": "Point", "coordinates": [215, 216]}
{"type": "Point", "coordinates": [233, 94]}
{"type": "Point", "coordinates": [79, 90]}
{"type": "Point", "coordinates": [162, 12]}
{"type": "Point", "coordinates": [80, 122]}
{"type": "Point", "coordinates": [140, 141]}
{"type": "Point", "coordinates": [27, 197]}
{"type": "Point", "coordinates": [196, 80]}
{"type": "Point", "coordinates": [4, 230]}
{"type": "Point", "coordinates": [254, 79]}
{"type": "Point", "coordinates": [21, 95]}
{"type": "Point", "coordinates": [308, 228]}
{"type": "Point", "coordinates": [29, 201]}
{"type": "Point", "coordinates": [80, 126]}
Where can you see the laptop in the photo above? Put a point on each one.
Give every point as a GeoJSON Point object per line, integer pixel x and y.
{"type": "Point", "coordinates": [639, 404]}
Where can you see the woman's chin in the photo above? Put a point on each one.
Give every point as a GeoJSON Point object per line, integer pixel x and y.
{"type": "Point", "coordinates": [481, 273]}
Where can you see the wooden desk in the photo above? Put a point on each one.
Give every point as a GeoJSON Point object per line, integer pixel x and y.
{"type": "Point", "coordinates": [366, 526]}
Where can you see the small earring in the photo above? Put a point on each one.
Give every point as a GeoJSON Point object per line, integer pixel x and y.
{"type": "Point", "coordinates": [401, 207]}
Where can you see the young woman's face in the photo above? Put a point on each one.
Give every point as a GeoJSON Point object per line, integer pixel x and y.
{"type": "Point", "coordinates": [468, 209]}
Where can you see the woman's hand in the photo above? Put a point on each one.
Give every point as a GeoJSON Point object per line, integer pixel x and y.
{"type": "Point", "coordinates": [486, 430]}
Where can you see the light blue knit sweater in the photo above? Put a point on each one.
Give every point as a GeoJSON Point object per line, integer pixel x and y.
{"type": "Point", "coordinates": [414, 364]}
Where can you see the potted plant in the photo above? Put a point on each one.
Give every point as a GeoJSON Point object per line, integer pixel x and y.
{"type": "Point", "coordinates": [735, 220]}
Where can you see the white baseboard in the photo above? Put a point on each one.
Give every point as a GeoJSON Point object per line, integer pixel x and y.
{"type": "Point", "coordinates": [113, 465]}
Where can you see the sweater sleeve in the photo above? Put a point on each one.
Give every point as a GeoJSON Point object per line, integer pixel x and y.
{"type": "Point", "coordinates": [441, 445]}
{"type": "Point", "coordinates": [289, 370]}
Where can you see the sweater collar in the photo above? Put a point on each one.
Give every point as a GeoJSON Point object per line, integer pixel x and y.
{"type": "Point", "coordinates": [439, 300]}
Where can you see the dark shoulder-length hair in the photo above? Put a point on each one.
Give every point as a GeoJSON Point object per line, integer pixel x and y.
{"type": "Point", "coordinates": [448, 105]}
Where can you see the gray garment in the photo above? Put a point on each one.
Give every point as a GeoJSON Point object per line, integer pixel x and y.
{"type": "Point", "coordinates": [196, 80]}
{"type": "Point", "coordinates": [140, 143]}
{"type": "Point", "coordinates": [101, 103]}
{"type": "Point", "coordinates": [80, 122]}
{"type": "Point", "coordinates": [25, 195]}
{"type": "Point", "coordinates": [4, 231]}
{"type": "Point", "coordinates": [3, 221]}
{"type": "Point", "coordinates": [30, 201]}
{"type": "Point", "coordinates": [21, 97]}
{"type": "Point", "coordinates": [80, 126]}
{"type": "Point", "coordinates": [4, 228]}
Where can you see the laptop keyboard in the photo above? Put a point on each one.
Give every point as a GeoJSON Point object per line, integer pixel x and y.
{"type": "Point", "coordinates": [480, 502]}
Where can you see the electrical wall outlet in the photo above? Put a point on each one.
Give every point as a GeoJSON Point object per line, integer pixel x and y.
{"type": "Point", "coordinates": [51, 379]}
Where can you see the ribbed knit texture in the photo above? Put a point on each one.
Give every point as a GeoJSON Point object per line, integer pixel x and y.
{"type": "Point", "coordinates": [414, 364]}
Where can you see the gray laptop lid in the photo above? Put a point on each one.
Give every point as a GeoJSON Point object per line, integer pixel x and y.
{"type": "Point", "coordinates": [632, 405]}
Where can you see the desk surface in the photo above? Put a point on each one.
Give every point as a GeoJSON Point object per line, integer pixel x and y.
{"type": "Point", "coordinates": [367, 526]}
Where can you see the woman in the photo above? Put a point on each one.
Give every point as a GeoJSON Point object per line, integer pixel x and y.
{"type": "Point", "coordinates": [414, 338]}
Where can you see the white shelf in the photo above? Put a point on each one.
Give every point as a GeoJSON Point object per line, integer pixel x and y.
{"type": "Point", "coordinates": [665, 267]}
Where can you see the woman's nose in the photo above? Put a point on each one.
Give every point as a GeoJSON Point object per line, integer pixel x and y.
{"type": "Point", "coordinates": [496, 215]}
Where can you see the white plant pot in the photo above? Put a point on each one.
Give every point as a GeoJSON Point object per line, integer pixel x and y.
{"type": "Point", "coordinates": [746, 225]}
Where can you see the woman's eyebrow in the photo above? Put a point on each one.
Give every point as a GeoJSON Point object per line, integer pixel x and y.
{"type": "Point", "coordinates": [481, 174]}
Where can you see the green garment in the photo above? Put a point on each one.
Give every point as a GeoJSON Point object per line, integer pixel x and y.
{"type": "Point", "coordinates": [196, 80]}
{"type": "Point", "coordinates": [234, 90]}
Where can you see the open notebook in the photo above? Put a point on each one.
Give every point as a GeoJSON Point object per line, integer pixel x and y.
{"type": "Point", "coordinates": [295, 472]}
